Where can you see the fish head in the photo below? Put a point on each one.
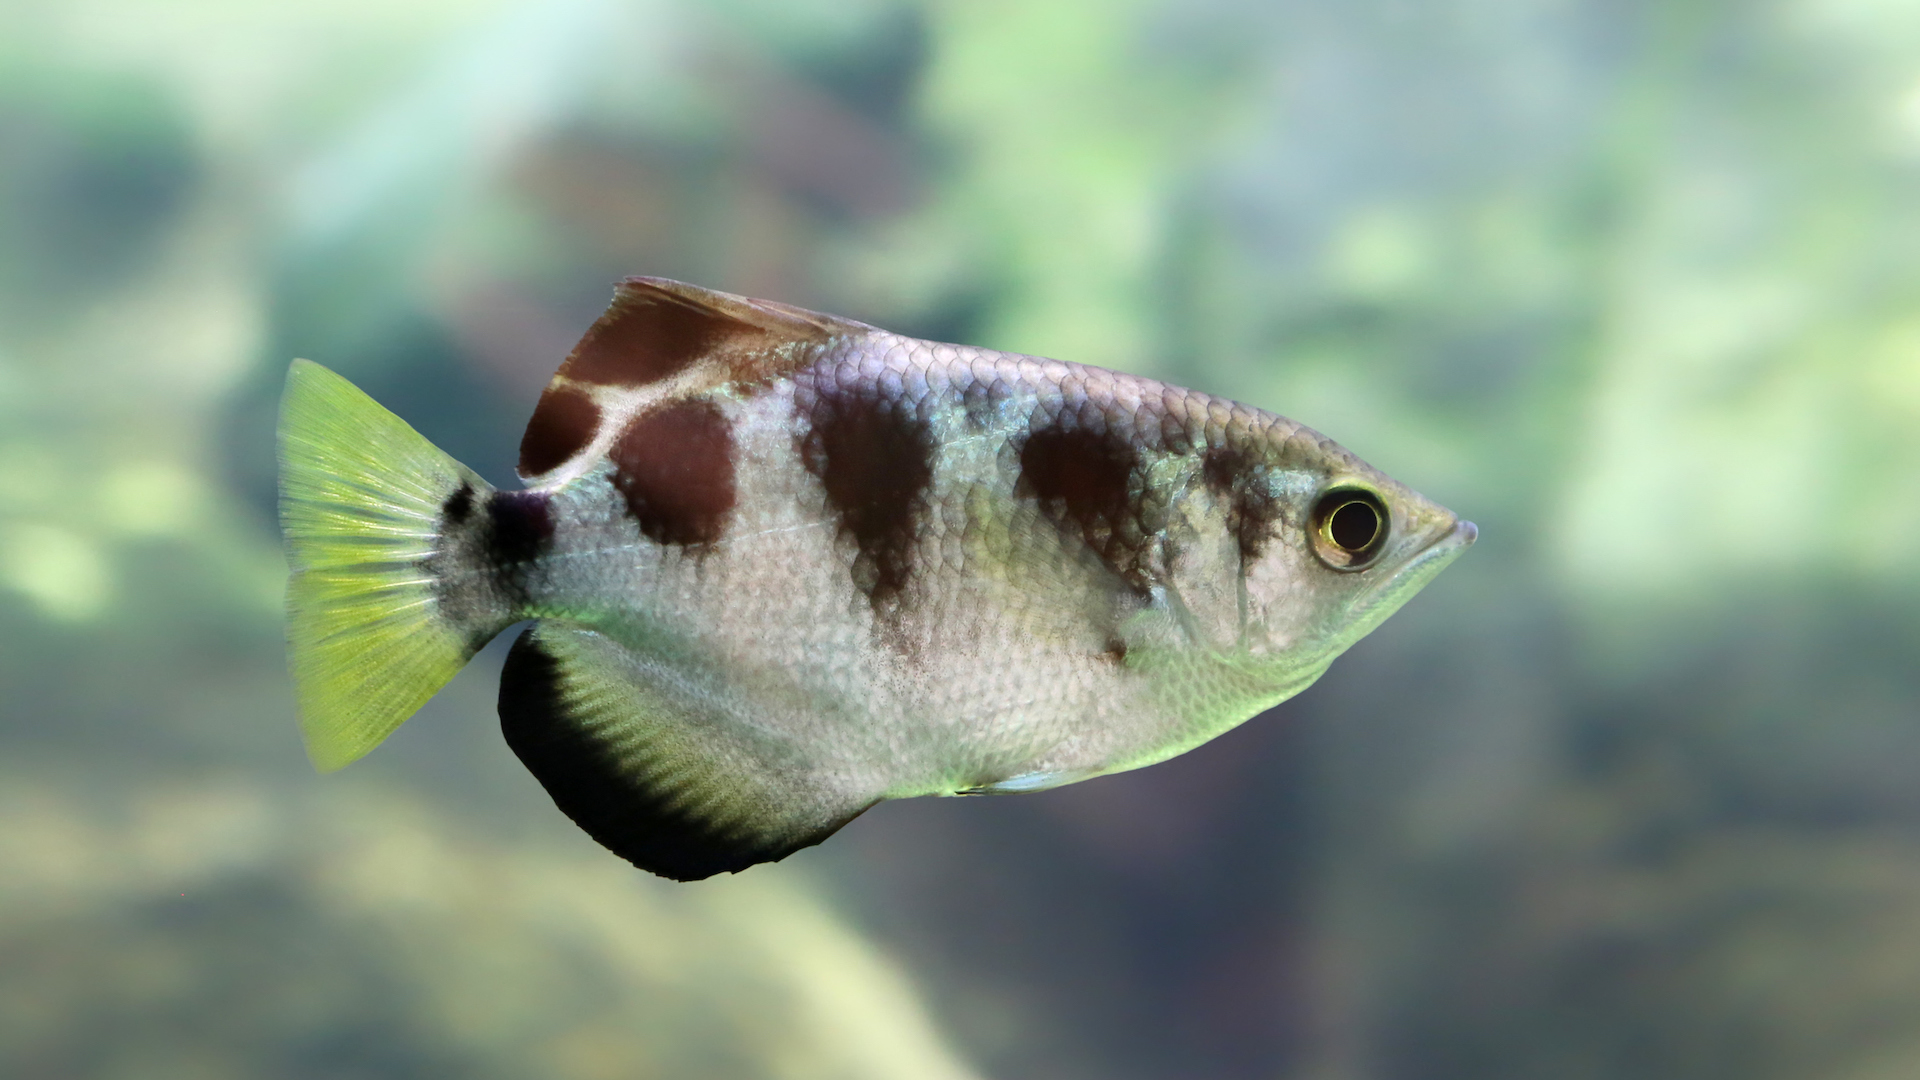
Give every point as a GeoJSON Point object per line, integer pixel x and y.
{"type": "Point", "coordinates": [1347, 546]}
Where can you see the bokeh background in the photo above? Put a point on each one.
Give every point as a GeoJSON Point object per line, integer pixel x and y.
{"type": "Point", "coordinates": [1632, 790]}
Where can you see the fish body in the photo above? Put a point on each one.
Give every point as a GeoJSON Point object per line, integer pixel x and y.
{"type": "Point", "coordinates": [784, 565]}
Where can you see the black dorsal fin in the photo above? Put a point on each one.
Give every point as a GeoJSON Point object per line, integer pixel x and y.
{"type": "Point", "coordinates": [658, 776]}
{"type": "Point", "coordinates": [653, 331]}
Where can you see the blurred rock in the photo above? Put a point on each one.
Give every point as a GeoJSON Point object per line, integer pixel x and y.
{"type": "Point", "coordinates": [220, 930]}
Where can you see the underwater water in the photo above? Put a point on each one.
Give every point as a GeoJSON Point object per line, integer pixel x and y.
{"type": "Point", "coordinates": [1628, 791]}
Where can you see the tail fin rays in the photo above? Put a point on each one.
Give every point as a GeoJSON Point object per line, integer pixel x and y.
{"type": "Point", "coordinates": [361, 500]}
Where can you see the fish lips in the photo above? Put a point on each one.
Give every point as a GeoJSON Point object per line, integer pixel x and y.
{"type": "Point", "coordinates": [1372, 607]}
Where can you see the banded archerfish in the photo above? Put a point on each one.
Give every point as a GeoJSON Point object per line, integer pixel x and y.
{"type": "Point", "coordinates": [781, 566]}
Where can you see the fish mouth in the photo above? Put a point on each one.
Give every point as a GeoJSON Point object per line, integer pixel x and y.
{"type": "Point", "coordinates": [1370, 609]}
{"type": "Point", "coordinates": [1435, 556]}
{"type": "Point", "coordinates": [1450, 544]}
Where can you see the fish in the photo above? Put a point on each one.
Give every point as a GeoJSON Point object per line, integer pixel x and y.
{"type": "Point", "coordinates": [781, 565]}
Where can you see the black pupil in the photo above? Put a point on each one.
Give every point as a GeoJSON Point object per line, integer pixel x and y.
{"type": "Point", "coordinates": [1353, 526]}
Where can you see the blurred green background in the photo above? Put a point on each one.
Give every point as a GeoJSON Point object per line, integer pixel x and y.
{"type": "Point", "coordinates": [1630, 791]}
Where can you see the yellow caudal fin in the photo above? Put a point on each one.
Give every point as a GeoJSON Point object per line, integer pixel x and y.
{"type": "Point", "coordinates": [362, 502]}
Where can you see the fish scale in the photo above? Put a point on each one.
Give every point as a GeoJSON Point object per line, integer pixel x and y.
{"type": "Point", "coordinates": [782, 565]}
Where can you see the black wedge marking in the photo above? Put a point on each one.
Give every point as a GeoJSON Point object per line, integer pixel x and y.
{"type": "Point", "coordinates": [458, 507]}
{"type": "Point", "coordinates": [1088, 484]}
{"type": "Point", "coordinates": [630, 786]}
{"type": "Point", "coordinates": [675, 467]}
{"type": "Point", "coordinates": [874, 457]}
{"type": "Point", "coordinates": [1234, 475]}
{"type": "Point", "coordinates": [564, 422]}
{"type": "Point", "coordinates": [519, 527]}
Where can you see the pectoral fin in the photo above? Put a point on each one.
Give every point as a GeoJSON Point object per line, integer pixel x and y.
{"type": "Point", "coordinates": [651, 762]}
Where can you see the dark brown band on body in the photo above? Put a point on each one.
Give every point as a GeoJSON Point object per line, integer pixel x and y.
{"type": "Point", "coordinates": [874, 458]}
{"type": "Point", "coordinates": [1237, 477]}
{"type": "Point", "coordinates": [1088, 484]}
{"type": "Point", "coordinates": [675, 467]}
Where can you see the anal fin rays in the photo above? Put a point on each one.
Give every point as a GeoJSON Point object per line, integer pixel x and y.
{"type": "Point", "coordinates": [661, 778]}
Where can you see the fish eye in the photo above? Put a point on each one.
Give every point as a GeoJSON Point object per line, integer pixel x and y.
{"type": "Point", "coordinates": [1349, 528]}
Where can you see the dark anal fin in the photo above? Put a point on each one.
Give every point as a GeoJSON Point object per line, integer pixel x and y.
{"type": "Point", "coordinates": [666, 782]}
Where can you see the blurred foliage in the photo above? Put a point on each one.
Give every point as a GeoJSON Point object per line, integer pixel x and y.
{"type": "Point", "coordinates": [1636, 287]}
{"type": "Point", "coordinates": [103, 162]}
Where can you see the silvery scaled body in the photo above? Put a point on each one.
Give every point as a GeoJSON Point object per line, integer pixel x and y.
{"type": "Point", "coordinates": [785, 565]}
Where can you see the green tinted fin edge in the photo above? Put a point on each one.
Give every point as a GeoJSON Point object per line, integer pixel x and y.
{"type": "Point", "coordinates": [652, 773]}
